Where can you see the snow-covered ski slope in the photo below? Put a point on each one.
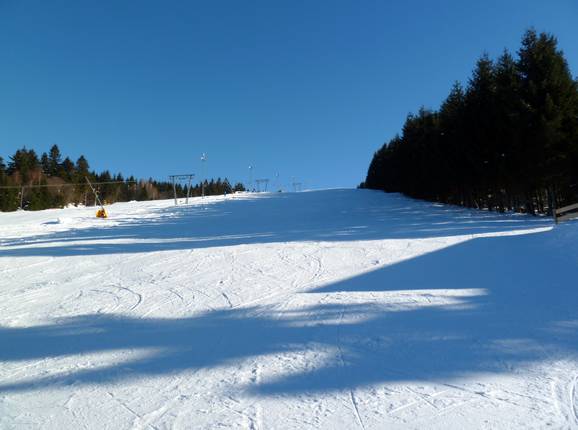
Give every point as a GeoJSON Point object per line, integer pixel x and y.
{"type": "Point", "coordinates": [336, 309]}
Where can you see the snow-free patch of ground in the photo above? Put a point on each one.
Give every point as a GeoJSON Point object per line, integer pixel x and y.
{"type": "Point", "coordinates": [337, 309]}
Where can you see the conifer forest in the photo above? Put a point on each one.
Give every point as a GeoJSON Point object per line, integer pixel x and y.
{"type": "Point", "coordinates": [52, 181]}
{"type": "Point", "coordinates": [508, 141]}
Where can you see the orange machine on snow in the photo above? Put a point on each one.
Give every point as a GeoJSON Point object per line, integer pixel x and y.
{"type": "Point", "coordinates": [101, 213]}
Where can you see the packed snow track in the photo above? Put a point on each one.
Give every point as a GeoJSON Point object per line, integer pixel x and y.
{"type": "Point", "coordinates": [335, 309]}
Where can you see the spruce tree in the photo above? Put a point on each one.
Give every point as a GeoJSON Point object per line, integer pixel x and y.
{"type": "Point", "coordinates": [82, 168]}
{"type": "Point", "coordinates": [451, 118]}
{"type": "Point", "coordinates": [55, 158]}
{"type": "Point", "coordinates": [550, 97]}
{"type": "Point", "coordinates": [508, 149]}
{"type": "Point", "coordinates": [480, 103]}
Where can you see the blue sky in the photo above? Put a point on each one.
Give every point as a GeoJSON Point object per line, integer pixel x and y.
{"type": "Point", "coordinates": [303, 89]}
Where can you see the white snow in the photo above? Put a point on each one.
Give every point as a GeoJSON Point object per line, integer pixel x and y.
{"type": "Point", "coordinates": [336, 309]}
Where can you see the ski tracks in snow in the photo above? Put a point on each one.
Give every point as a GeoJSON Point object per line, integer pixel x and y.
{"type": "Point", "coordinates": [136, 296]}
{"type": "Point", "coordinates": [573, 402]}
{"type": "Point", "coordinates": [256, 415]}
{"type": "Point", "coordinates": [351, 391]}
{"type": "Point", "coordinates": [274, 280]}
{"type": "Point", "coordinates": [564, 389]}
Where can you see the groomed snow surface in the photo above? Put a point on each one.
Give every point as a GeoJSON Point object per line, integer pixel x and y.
{"type": "Point", "coordinates": [336, 309]}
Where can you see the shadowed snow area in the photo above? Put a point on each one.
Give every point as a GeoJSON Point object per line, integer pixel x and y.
{"type": "Point", "coordinates": [326, 309]}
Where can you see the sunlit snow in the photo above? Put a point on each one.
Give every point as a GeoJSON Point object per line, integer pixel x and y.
{"type": "Point", "coordinates": [326, 309]}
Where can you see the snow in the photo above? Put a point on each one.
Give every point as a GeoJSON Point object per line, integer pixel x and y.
{"type": "Point", "coordinates": [326, 309]}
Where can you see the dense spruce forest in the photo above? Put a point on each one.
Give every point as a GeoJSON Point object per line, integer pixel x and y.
{"type": "Point", "coordinates": [52, 181]}
{"type": "Point", "coordinates": [507, 141]}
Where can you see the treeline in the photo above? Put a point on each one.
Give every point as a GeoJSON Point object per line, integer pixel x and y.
{"type": "Point", "coordinates": [211, 188]}
{"type": "Point", "coordinates": [51, 181]}
{"type": "Point", "coordinates": [508, 141]}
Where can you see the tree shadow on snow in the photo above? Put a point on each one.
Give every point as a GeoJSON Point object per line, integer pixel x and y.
{"type": "Point", "coordinates": [333, 215]}
{"type": "Point", "coordinates": [483, 306]}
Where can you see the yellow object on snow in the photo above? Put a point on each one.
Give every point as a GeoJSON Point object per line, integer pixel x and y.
{"type": "Point", "coordinates": [101, 213]}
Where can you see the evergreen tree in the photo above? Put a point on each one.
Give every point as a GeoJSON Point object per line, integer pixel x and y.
{"type": "Point", "coordinates": [550, 97]}
{"type": "Point", "coordinates": [509, 150]}
{"type": "Point", "coordinates": [54, 160]}
{"type": "Point", "coordinates": [451, 123]}
{"type": "Point", "coordinates": [24, 165]}
{"type": "Point", "coordinates": [239, 187]}
{"type": "Point", "coordinates": [67, 170]}
{"type": "Point", "coordinates": [3, 175]}
{"type": "Point", "coordinates": [38, 198]}
{"type": "Point", "coordinates": [45, 163]}
{"type": "Point", "coordinates": [82, 168]}
{"type": "Point", "coordinates": [480, 122]}
{"type": "Point", "coordinates": [81, 173]}
{"type": "Point", "coordinates": [8, 196]}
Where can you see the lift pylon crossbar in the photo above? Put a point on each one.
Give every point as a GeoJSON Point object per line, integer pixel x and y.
{"type": "Point", "coordinates": [184, 177]}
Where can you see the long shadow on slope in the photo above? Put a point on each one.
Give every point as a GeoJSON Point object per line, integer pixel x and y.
{"type": "Point", "coordinates": [506, 302]}
{"type": "Point", "coordinates": [334, 215]}
{"type": "Point", "coordinates": [513, 302]}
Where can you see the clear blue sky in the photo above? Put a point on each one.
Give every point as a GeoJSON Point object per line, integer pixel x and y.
{"type": "Point", "coordinates": [307, 89]}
